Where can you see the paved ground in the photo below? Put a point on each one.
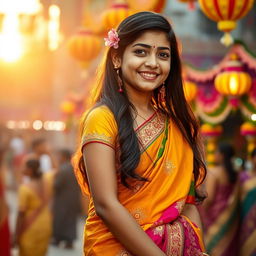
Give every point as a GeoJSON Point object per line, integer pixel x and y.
{"type": "Point", "coordinates": [53, 251]}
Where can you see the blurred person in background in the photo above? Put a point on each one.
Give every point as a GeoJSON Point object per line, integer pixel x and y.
{"type": "Point", "coordinates": [220, 209]}
{"type": "Point", "coordinates": [41, 150]}
{"type": "Point", "coordinates": [18, 150]}
{"type": "Point", "coordinates": [34, 220]}
{"type": "Point", "coordinates": [4, 226]}
{"type": "Point", "coordinates": [247, 230]}
{"type": "Point", "coordinates": [66, 202]}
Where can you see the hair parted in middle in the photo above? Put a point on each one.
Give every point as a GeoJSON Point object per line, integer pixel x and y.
{"type": "Point", "coordinates": [175, 106]}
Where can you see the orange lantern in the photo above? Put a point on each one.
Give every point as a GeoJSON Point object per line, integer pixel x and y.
{"type": "Point", "coordinates": [190, 90]}
{"type": "Point", "coordinates": [233, 80]}
{"type": "Point", "coordinates": [148, 5]}
{"type": "Point", "coordinates": [226, 13]}
{"type": "Point", "coordinates": [118, 11]}
{"type": "Point", "coordinates": [67, 107]}
{"type": "Point", "coordinates": [85, 46]}
{"type": "Point", "coordinates": [191, 3]}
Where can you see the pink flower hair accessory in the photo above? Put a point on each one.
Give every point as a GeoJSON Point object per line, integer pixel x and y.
{"type": "Point", "coordinates": [112, 39]}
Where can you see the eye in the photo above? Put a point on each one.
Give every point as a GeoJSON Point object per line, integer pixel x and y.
{"type": "Point", "coordinates": [164, 55]}
{"type": "Point", "coordinates": [140, 52]}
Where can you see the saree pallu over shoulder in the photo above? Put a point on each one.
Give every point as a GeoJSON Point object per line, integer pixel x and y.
{"type": "Point", "coordinates": [167, 163]}
{"type": "Point", "coordinates": [247, 232]}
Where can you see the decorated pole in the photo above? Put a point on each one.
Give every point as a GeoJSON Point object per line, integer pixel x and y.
{"type": "Point", "coordinates": [211, 134]}
{"type": "Point", "coordinates": [248, 129]}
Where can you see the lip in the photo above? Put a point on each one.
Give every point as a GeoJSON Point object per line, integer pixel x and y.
{"type": "Point", "coordinates": [148, 75]}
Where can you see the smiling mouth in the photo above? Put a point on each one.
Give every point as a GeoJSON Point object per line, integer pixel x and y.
{"type": "Point", "coordinates": [148, 76]}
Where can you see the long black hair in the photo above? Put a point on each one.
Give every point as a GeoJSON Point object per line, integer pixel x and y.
{"type": "Point", "coordinates": [228, 152]}
{"type": "Point", "coordinates": [34, 166]}
{"type": "Point", "coordinates": [175, 106]}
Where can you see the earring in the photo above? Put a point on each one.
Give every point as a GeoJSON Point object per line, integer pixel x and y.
{"type": "Point", "coordinates": [119, 80]}
{"type": "Point", "coordinates": [162, 93]}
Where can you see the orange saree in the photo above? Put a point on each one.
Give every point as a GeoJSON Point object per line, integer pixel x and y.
{"type": "Point", "coordinates": [167, 162]}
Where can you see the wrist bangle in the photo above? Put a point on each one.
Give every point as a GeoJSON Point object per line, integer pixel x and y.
{"type": "Point", "coordinates": [206, 254]}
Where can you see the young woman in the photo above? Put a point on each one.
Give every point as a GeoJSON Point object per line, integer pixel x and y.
{"type": "Point", "coordinates": [220, 209]}
{"type": "Point", "coordinates": [33, 228]}
{"type": "Point", "coordinates": [247, 231]}
{"type": "Point", "coordinates": [140, 153]}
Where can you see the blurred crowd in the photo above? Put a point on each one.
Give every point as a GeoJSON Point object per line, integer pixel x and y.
{"type": "Point", "coordinates": [49, 198]}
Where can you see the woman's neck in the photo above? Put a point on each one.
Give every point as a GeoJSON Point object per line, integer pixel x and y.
{"type": "Point", "coordinates": [141, 101]}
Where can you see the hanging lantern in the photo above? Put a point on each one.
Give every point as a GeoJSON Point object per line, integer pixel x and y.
{"type": "Point", "coordinates": [226, 13]}
{"type": "Point", "coordinates": [211, 134]}
{"type": "Point", "coordinates": [118, 11]}
{"type": "Point", "coordinates": [85, 46]}
{"type": "Point", "coordinates": [148, 5]}
{"type": "Point", "coordinates": [67, 107]}
{"type": "Point", "coordinates": [248, 130]}
{"type": "Point", "coordinates": [190, 90]}
{"type": "Point", "coordinates": [191, 3]}
{"type": "Point", "coordinates": [233, 81]}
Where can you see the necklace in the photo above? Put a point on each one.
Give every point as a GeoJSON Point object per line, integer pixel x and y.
{"type": "Point", "coordinates": [142, 116]}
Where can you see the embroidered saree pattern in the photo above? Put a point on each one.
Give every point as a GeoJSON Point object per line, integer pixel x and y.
{"type": "Point", "coordinates": [156, 205]}
{"type": "Point", "coordinates": [150, 130]}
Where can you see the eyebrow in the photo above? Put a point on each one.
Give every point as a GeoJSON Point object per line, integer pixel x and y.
{"type": "Point", "coordinates": [149, 46]}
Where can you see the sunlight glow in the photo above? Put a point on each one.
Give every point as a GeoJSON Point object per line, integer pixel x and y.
{"type": "Point", "coordinates": [12, 42]}
{"type": "Point", "coordinates": [53, 27]}
{"type": "Point", "coordinates": [11, 45]}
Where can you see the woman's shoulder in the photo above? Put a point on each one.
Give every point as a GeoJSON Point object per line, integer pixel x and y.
{"type": "Point", "coordinates": [101, 112]}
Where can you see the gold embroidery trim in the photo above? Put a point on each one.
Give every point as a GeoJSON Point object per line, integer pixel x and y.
{"type": "Point", "coordinates": [96, 137]}
{"type": "Point", "coordinates": [151, 130]}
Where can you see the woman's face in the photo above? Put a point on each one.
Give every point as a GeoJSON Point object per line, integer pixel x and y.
{"type": "Point", "coordinates": [146, 62]}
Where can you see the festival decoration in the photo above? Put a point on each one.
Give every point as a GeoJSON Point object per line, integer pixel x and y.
{"type": "Point", "coordinates": [118, 11]}
{"type": "Point", "coordinates": [148, 5]}
{"type": "Point", "coordinates": [211, 134]}
{"type": "Point", "coordinates": [233, 80]}
{"type": "Point", "coordinates": [191, 3]}
{"type": "Point", "coordinates": [190, 90]}
{"type": "Point", "coordinates": [248, 129]}
{"type": "Point", "coordinates": [85, 46]}
{"type": "Point", "coordinates": [226, 13]}
{"type": "Point", "coordinates": [67, 107]}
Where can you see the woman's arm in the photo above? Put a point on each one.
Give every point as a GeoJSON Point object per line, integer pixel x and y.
{"type": "Point", "coordinates": [18, 228]}
{"type": "Point", "coordinates": [211, 184]}
{"type": "Point", "coordinates": [191, 211]}
{"type": "Point", "coordinates": [101, 173]}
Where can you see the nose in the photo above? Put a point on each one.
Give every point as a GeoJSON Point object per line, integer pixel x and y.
{"type": "Point", "coordinates": [151, 61]}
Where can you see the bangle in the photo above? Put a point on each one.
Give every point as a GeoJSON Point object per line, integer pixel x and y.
{"type": "Point", "coordinates": [206, 254]}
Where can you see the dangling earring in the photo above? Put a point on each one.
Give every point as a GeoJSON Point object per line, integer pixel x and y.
{"type": "Point", "coordinates": [119, 80]}
{"type": "Point", "coordinates": [162, 93]}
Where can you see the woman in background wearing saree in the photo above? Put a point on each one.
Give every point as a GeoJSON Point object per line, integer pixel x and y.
{"type": "Point", "coordinates": [220, 213]}
{"type": "Point", "coordinates": [33, 227]}
{"type": "Point", "coordinates": [247, 230]}
{"type": "Point", "coordinates": [140, 158]}
{"type": "Point", "coordinates": [5, 241]}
